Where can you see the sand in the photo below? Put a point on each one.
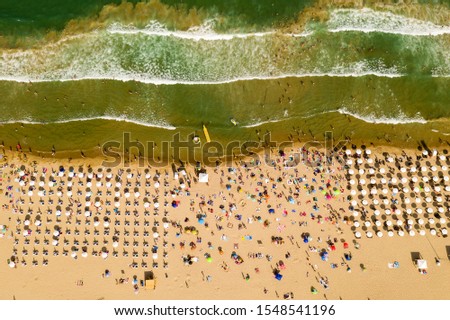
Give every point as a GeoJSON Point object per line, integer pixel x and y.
{"type": "Point", "coordinates": [369, 276]}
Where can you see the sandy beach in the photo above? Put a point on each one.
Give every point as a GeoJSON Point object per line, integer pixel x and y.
{"type": "Point", "coordinates": [347, 230]}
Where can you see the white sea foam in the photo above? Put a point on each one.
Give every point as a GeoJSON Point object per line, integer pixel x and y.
{"type": "Point", "coordinates": [111, 118]}
{"type": "Point", "coordinates": [203, 32]}
{"type": "Point", "coordinates": [368, 20]}
{"type": "Point", "coordinates": [376, 119]}
{"type": "Point", "coordinates": [138, 78]}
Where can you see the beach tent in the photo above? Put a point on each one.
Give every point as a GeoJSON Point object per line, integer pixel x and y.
{"type": "Point", "coordinates": [421, 264]}
{"type": "Point", "coordinates": [203, 177]}
{"type": "Point", "coordinates": [150, 281]}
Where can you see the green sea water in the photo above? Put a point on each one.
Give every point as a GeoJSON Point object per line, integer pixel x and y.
{"type": "Point", "coordinates": [75, 74]}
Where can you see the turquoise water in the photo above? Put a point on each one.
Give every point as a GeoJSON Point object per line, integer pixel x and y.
{"type": "Point", "coordinates": [298, 68]}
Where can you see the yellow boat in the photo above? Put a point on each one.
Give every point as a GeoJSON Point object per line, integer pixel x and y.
{"type": "Point", "coordinates": [205, 131]}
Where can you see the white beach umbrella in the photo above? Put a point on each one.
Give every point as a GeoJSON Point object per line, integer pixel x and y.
{"type": "Point", "coordinates": [383, 180]}
{"type": "Point", "coordinates": [373, 191]}
{"type": "Point", "coordinates": [156, 205]}
{"type": "Point", "coordinates": [30, 193]}
{"type": "Point", "coordinates": [370, 160]}
{"type": "Point", "coordinates": [359, 161]}
{"type": "Point", "coordinates": [419, 210]}
{"type": "Point", "coordinates": [89, 184]}
{"type": "Point", "coordinates": [146, 204]}
{"type": "Point", "coordinates": [351, 171]}
{"type": "Point", "coordinates": [147, 176]}
{"type": "Point", "coordinates": [382, 170]}
{"type": "Point", "coordinates": [413, 169]}
{"type": "Point", "coordinates": [369, 234]}
{"type": "Point", "coordinates": [106, 224]}
{"type": "Point", "coordinates": [422, 232]}
{"type": "Point", "coordinates": [69, 193]}
{"type": "Point", "coordinates": [433, 232]}
{"type": "Point", "coordinates": [379, 234]}
{"type": "Point", "coordinates": [80, 175]}
{"type": "Point", "coordinates": [109, 175]}
{"type": "Point", "coordinates": [353, 192]}
{"type": "Point", "coordinates": [348, 152]}
{"type": "Point", "coordinates": [444, 232]}
{"type": "Point", "coordinates": [108, 184]}
{"type": "Point", "coordinates": [386, 201]}
{"type": "Point", "coordinates": [358, 234]}
{"type": "Point", "coordinates": [26, 222]}
{"type": "Point", "coordinates": [55, 242]}
{"type": "Point", "coordinates": [104, 255]}
{"type": "Point", "coordinates": [117, 204]}
{"type": "Point", "coordinates": [361, 171]}
{"type": "Point", "coordinates": [420, 221]}
{"type": "Point", "coordinates": [408, 211]}
{"type": "Point", "coordinates": [98, 184]}
{"type": "Point", "coordinates": [117, 194]}
{"type": "Point", "coordinates": [377, 212]}
{"type": "Point", "coordinates": [155, 235]}
{"type": "Point", "coordinates": [389, 223]}
{"type": "Point", "coordinates": [115, 244]}
{"type": "Point", "coordinates": [378, 223]}
{"type": "Point", "coordinates": [84, 254]}
{"type": "Point", "coordinates": [401, 233]}
{"type": "Point", "coordinates": [412, 233]}
{"type": "Point", "coordinates": [424, 169]}
{"type": "Point", "coordinates": [362, 181]}
{"type": "Point", "coordinates": [127, 194]}
{"type": "Point", "coordinates": [73, 254]}
{"type": "Point", "coordinates": [375, 201]}
{"type": "Point", "coordinates": [137, 194]}
{"type": "Point", "coordinates": [373, 181]}
{"type": "Point", "coordinates": [118, 184]}
{"type": "Point", "coordinates": [99, 175]}
{"type": "Point", "coordinates": [352, 182]}
{"type": "Point", "coordinates": [390, 233]}
{"type": "Point", "coordinates": [156, 184]}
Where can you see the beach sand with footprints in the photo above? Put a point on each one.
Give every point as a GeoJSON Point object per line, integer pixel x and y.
{"type": "Point", "coordinates": [350, 229]}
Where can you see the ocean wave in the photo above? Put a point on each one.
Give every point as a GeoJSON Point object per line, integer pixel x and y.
{"type": "Point", "coordinates": [376, 119]}
{"type": "Point", "coordinates": [367, 20]}
{"type": "Point", "coordinates": [109, 118]}
{"type": "Point", "coordinates": [373, 119]}
{"type": "Point", "coordinates": [141, 79]}
{"type": "Point", "coordinates": [203, 32]}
